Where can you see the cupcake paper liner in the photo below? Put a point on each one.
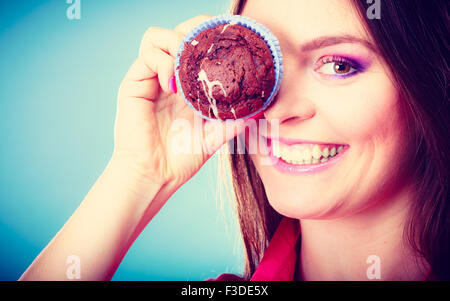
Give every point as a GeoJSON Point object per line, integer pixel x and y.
{"type": "Point", "coordinates": [270, 39]}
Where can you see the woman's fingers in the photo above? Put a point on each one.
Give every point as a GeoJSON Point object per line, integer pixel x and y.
{"type": "Point", "coordinates": [153, 67]}
{"type": "Point", "coordinates": [154, 64]}
{"type": "Point", "coordinates": [161, 64]}
{"type": "Point", "coordinates": [147, 89]}
{"type": "Point", "coordinates": [217, 133]}
{"type": "Point", "coordinates": [161, 38]}
{"type": "Point", "coordinates": [168, 40]}
{"type": "Point", "coordinates": [140, 71]}
{"type": "Point", "coordinates": [159, 47]}
{"type": "Point", "coordinates": [185, 27]}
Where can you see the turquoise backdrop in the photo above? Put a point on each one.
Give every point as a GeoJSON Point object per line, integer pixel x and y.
{"type": "Point", "coordinates": [59, 80]}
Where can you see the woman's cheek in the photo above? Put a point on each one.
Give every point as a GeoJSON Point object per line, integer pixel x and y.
{"type": "Point", "coordinates": [363, 110]}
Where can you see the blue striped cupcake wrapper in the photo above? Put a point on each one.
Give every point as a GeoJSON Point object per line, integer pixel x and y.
{"type": "Point", "coordinates": [270, 39]}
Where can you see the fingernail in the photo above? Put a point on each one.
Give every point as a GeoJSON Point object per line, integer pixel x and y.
{"type": "Point", "coordinates": [173, 85]}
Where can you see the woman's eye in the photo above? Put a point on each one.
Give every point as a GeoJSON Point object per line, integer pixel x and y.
{"type": "Point", "coordinates": [337, 67]}
{"type": "Point", "coordinates": [342, 68]}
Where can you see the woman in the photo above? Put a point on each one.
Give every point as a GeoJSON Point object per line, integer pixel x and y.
{"type": "Point", "coordinates": [374, 89]}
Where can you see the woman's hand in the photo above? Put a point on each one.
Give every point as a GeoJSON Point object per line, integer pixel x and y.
{"type": "Point", "coordinates": [145, 169]}
{"type": "Point", "coordinates": [156, 133]}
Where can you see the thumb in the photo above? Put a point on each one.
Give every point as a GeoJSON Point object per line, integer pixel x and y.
{"type": "Point", "coordinates": [218, 133]}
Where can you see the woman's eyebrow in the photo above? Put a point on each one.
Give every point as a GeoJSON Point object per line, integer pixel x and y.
{"type": "Point", "coordinates": [326, 41]}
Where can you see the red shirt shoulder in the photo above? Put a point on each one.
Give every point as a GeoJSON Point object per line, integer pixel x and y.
{"type": "Point", "coordinates": [227, 277]}
{"type": "Point", "coordinates": [280, 256]}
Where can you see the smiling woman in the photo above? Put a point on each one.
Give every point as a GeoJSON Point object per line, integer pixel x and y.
{"type": "Point", "coordinates": [378, 89]}
{"type": "Point", "coordinates": [357, 143]}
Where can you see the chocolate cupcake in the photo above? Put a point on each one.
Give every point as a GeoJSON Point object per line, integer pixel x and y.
{"type": "Point", "coordinates": [227, 69]}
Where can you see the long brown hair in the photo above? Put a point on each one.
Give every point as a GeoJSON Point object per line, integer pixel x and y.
{"type": "Point", "coordinates": [411, 37]}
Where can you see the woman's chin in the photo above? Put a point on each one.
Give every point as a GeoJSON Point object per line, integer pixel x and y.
{"type": "Point", "coordinates": [303, 207]}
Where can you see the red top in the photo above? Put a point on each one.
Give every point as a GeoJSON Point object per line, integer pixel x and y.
{"type": "Point", "coordinates": [280, 257]}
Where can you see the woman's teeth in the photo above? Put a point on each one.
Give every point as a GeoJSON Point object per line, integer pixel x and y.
{"type": "Point", "coordinates": [305, 153]}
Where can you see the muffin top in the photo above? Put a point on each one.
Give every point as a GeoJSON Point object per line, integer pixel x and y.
{"type": "Point", "coordinates": [226, 72]}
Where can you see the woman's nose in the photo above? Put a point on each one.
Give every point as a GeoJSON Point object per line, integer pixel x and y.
{"type": "Point", "coordinates": [292, 104]}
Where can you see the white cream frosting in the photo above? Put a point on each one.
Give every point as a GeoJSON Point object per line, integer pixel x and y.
{"type": "Point", "coordinates": [234, 112]}
{"type": "Point", "coordinates": [208, 89]}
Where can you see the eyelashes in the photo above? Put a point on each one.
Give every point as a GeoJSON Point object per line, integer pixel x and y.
{"type": "Point", "coordinates": [338, 67]}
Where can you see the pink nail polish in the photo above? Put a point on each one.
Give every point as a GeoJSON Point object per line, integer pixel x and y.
{"type": "Point", "coordinates": [173, 85]}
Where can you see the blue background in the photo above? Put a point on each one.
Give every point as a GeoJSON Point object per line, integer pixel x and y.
{"type": "Point", "coordinates": [59, 81]}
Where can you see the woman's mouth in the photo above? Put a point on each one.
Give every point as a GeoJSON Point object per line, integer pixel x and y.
{"type": "Point", "coordinates": [294, 156]}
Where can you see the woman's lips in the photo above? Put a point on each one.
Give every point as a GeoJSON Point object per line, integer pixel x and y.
{"type": "Point", "coordinates": [290, 141]}
{"type": "Point", "coordinates": [303, 156]}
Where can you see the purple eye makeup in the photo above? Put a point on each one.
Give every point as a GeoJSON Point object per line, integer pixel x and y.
{"type": "Point", "coordinates": [340, 66]}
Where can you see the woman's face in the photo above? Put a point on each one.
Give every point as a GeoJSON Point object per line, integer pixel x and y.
{"type": "Point", "coordinates": [336, 91]}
